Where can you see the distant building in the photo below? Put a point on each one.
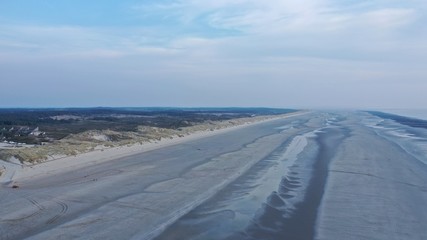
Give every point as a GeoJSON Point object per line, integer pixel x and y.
{"type": "Point", "coordinates": [36, 132]}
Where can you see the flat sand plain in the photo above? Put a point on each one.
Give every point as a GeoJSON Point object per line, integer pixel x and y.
{"type": "Point", "coordinates": [319, 175]}
{"type": "Point", "coordinates": [12, 170]}
{"type": "Point", "coordinates": [130, 191]}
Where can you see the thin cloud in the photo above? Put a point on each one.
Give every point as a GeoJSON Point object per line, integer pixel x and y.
{"type": "Point", "coordinates": [276, 26]}
{"type": "Point", "coordinates": [389, 18]}
{"type": "Point", "coordinates": [251, 16]}
{"type": "Point", "coordinates": [284, 49]}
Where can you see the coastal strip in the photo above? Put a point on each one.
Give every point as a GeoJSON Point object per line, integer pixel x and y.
{"type": "Point", "coordinates": [11, 174]}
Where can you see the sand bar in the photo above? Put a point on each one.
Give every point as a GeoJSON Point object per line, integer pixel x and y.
{"type": "Point", "coordinates": [142, 192]}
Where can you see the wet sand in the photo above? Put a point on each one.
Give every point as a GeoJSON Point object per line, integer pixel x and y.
{"type": "Point", "coordinates": [348, 182]}
{"type": "Point", "coordinates": [277, 199]}
{"type": "Point", "coordinates": [134, 196]}
{"type": "Point", "coordinates": [375, 190]}
{"type": "Point", "coordinates": [315, 176]}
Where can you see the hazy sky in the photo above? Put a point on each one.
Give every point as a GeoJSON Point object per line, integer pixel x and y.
{"type": "Point", "coordinates": [277, 53]}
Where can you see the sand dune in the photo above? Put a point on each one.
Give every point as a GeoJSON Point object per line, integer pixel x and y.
{"type": "Point", "coordinates": [312, 176]}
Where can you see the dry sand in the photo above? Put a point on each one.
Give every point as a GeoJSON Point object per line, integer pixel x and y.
{"type": "Point", "coordinates": [375, 188]}
{"type": "Point", "coordinates": [135, 195]}
{"type": "Point", "coordinates": [12, 170]}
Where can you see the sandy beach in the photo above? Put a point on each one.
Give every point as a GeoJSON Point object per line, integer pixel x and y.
{"type": "Point", "coordinates": [317, 175]}
{"type": "Point", "coordinates": [13, 170]}
{"type": "Point", "coordinates": [57, 201]}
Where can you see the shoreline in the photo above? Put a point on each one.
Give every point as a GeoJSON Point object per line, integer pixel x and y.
{"type": "Point", "coordinates": [12, 172]}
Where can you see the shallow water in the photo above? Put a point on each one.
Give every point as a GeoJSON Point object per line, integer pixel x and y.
{"type": "Point", "coordinates": [412, 139]}
{"type": "Point", "coordinates": [269, 201]}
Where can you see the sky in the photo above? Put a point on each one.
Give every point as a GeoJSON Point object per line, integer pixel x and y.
{"type": "Point", "coordinates": [192, 53]}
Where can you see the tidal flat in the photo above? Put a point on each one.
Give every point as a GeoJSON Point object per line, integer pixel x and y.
{"type": "Point", "coordinates": [317, 175]}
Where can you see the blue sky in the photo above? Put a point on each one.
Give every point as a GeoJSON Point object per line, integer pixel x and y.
{"type": "Point", "coordinates": [278, 53]}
